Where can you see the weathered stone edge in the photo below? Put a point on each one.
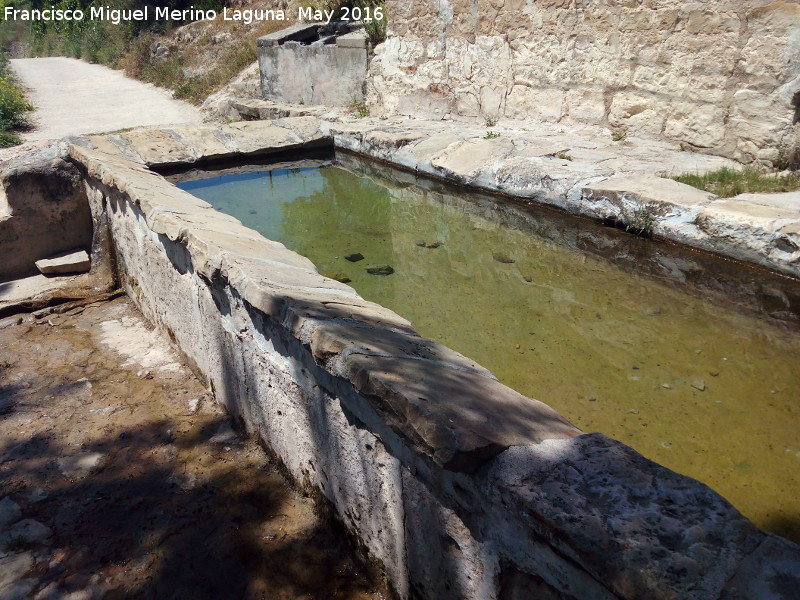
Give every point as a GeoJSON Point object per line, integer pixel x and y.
{"type": "Point", "coordinates": [362, 342]}
{"type": "Point", "coordinates": [672, 210]}
{"type": "Point", "coordinates": [706, 223]}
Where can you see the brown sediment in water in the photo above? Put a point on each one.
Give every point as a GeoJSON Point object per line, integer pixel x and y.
{"type": "Point", "coordinates": [138, 484]}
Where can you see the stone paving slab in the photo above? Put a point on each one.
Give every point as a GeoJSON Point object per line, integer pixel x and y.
{"type": "Point", "coordinates": [19, 290]}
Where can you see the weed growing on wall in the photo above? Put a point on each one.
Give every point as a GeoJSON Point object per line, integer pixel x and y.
{"type": "Point", "coordinates": [375, 28]}
{"type": "Point", "coordinates": [638, 218]}
{"type": "Point", "coordinates": [372, 13]}
{"type": "Point", "coordinates": [359, 109]}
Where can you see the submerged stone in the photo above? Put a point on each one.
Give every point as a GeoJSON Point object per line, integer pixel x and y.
{"type": "Point", "coordinates": [502, 257]}
{"type": "Point", "coordinates": [355, 257]}
{"type": "Point", "coordinates": [379, 270]}
{"type": "Point", "coordinates": [339, 276]}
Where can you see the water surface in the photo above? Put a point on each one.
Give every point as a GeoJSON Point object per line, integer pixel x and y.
{"type": "Point", "coordinates": [689, 359]}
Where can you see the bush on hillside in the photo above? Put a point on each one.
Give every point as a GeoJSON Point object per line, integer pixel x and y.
{"type": "Point", "coordinates": [13, 105]}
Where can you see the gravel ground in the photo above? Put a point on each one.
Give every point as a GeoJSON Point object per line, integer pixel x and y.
{"type": "Point", "coordinates": [121, 478]}
{"type": "Point", "coordinates": [73, 97]}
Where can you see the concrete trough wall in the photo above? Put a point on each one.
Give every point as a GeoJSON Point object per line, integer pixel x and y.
{"type": "Point", "coordinates": [327, 74]}
{"type": "Point", "coordinates": [458, 486]}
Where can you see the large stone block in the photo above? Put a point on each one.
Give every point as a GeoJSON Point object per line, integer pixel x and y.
{"type": "Point", "coordinates": [701, 125]}
{"type": "Point", "coordinates": [541, 105]}
{"type": "Point", "coordinates": [43, 211]}
{"type": "Point", "coordinates": [318, 74]}
{"type": "Point", "coordinates": [586, 105]}
{"type": "Point", "coordinates": [637, 113]}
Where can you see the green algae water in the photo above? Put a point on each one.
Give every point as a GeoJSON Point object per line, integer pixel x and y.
{"type": "Point", "coordinates": [689, 359]}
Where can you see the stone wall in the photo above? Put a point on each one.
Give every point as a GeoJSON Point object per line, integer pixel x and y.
{"type": "Point", "coordinates": [43, 211]}
{"type": "Point", "coordinates": [723, 76]}
{"type": "Point", "coordinates": [458, 486]}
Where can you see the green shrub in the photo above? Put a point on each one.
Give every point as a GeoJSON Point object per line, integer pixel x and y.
{"type": "Point", "coordinates": [374, 28]}
{"type": "Point", "coordinates": [8, 139]}
{"type": "Point", "coordinates": [237, 58]}
{"type": "Point", "coordinates": [13, 106]}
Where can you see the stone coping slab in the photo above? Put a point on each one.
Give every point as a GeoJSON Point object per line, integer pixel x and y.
{"type": "Point", "coordinates": [580, 169]}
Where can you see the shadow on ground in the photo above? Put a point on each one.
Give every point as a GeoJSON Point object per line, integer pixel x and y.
{"type": "Point", "coordinates": [123, 482]}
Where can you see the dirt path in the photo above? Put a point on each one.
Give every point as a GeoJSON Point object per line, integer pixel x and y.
{"type": "Point", "coordinates": [73, 97]}
{"type": "Point", "coordinates": [120, 478]}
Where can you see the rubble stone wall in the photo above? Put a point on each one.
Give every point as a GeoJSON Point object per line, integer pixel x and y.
{"type": "Point", "coordinates": [458, 486]}
{"type": "Point", "coordinates": [723, 76]}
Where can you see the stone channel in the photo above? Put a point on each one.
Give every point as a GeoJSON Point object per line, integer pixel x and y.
{"type": "Point", "coordinates": [457, 485]}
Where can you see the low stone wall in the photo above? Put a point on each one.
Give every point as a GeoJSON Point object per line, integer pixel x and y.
{"type": "Point", "coordinates": [458, 486]}
{"type": "Point", "coordinates": [43, 211]}
{"type": "Point", "coordinates": [723, 76]}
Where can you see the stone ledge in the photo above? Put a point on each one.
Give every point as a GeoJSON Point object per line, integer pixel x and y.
{"type": "Point", "coordinates": [661, 535]}
{"type": "Point", "coordinates": [189, 145]}
{"type": "Point", "coordinates": [586, 175]}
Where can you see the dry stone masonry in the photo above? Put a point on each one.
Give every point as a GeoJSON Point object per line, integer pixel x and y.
{"type": "Point", "coordinates": [722, 76]}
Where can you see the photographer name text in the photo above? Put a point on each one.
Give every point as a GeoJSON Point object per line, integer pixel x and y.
{"type": "Point", "coordinates": [165, 13]}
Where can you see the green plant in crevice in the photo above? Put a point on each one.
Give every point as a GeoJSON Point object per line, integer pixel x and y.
{"type": "Point", "coordinates": [358, 108]}
{"type": "Point", "coordinates": [619, 135]}
{"type": "Point", "coordinates": [371, 13]}
{"type": "Point", "coordinates": [375, 26]}
{"type": "Point", "coordinates": [638, 218]}
{"type": "Point", "coordinates": [490, 121]}
{"type": "Point", "coordinates": [491, 135]}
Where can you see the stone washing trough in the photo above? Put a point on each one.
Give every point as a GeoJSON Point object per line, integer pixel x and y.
{"type": "Point", "coordinates": [455, 485]}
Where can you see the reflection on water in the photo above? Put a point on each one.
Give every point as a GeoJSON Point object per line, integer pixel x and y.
{"type": "Point", "coordinates": [691, 360]}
